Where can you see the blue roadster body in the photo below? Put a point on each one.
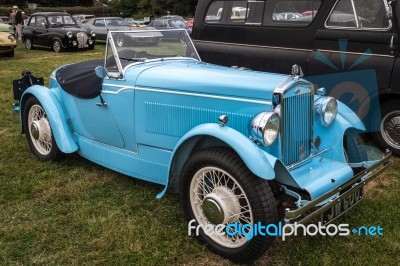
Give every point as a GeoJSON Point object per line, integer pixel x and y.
{"type": "Point", "coordinates": [235, 143]}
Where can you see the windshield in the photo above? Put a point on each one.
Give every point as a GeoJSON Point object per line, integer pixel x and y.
{"type": "Point", "coordinates": [177, 23]}
{"type": "Point", "coordinates": [61, 20]}
{"type": "Point", "coordinates": [116, 22]}
{"type": "Point", "coordinates": [139, 46]}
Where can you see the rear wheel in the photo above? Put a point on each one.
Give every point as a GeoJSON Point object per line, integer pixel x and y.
{"type": "Point", "coordinates": [216, 188]}
{"type": "Point", "coordinates": [28, 44]}
{"type": "Point", "coordinates": [56, 46]}
{"type": "Point", "coordinates": [38, 131]}
{"type": "Point", "coordinates": [389, 134]}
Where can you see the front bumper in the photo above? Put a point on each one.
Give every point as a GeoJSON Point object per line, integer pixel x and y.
{"type": "Point", "coordinates": [339, 200]}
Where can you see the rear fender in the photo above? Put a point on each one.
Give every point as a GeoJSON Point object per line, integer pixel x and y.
{"type": "Point", "coordinates": [56, 115]}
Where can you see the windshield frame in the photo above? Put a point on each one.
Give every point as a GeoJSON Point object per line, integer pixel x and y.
{"type": "Point", "coordinates": [110, 44]}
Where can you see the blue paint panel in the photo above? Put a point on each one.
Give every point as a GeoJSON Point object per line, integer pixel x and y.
{"type": "Point", "coordinates": [163, 118]}
{"type": "Point", "coordinates": [92, 121]}
{"type": "Point", "coordinates": [321, 176]}
{"type": "Point", "coordinates": [205, 78]}
{"type": "Point", "coordinates": [151, 164]}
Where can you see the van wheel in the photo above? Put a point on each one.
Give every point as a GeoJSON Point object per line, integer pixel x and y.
{"type": "Point", "coordinates": [389, 134]}
{"type": "Point", "coordinates": [216, 188]}
{"type": "Point", "coordinates": [38, 131]}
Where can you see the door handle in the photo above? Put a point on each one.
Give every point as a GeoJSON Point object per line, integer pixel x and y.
{"type": "Point", "coordinates": [391, 45]}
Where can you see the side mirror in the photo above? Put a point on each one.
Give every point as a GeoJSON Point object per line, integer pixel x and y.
{"type": "Point", "coordinates": [101, 72]}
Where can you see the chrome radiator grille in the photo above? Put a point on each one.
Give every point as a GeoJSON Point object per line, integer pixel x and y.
{"type": "Point", "coordinates": [81, 38]}
{"type": "Point", "coordinates": [296, 124]}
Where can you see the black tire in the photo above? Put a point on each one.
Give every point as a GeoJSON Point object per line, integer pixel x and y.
{"type": "Point", "coordinates": [28, 43]}
{"type": "Point", "coordinates": [257, 194]}
{"type": "Point", "coordinates": [57, 46]}
{"type": "Point", "coordinates": [389, 135]}
{"type": "Point", "coordinates": [38, 132]}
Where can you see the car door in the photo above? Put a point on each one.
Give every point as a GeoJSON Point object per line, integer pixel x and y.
{"type": "Point", "coordinates": [355, 36]}
{"type": "Point", "coordinates": [40, 31]}
{"type": "Point", "coordinates": [99, 27]}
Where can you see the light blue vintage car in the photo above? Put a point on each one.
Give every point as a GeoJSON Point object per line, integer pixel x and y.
{"type": "Point", "coordinates": [240, 146]}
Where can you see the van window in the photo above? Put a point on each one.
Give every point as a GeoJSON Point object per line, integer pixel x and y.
{"type": "Point", "coordinates": [236, 12]}
{"type": "Point", "coordinates": [358, 15]}
{"type": "Point", "coordinates": [289, 12]}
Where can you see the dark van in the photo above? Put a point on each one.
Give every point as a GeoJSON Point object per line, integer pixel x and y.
{"type": "Point", "coordinates": [353, 43]}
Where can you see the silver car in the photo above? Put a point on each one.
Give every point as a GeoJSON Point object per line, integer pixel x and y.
{"type": "Point", "coordinates": [102, 25]}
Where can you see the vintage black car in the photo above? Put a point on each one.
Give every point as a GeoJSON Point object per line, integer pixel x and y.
{"type": "Point", "coordinates": [341, 39]}
{"type": "Point", "coordinates": [56, 30]}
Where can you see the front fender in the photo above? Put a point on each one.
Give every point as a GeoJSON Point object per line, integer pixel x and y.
{"type": "Point", "coordinates": [56, 115]}
{"type": "Point", "coordinates": [258, 161]}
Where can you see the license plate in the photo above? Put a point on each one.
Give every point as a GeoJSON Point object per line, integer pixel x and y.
{"type": "Point", "coordinates": [82, 46]}
{"type": "Point", "coordinates": [342, 206]}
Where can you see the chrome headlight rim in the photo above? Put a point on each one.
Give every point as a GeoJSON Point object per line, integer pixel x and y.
{"type": "Point", "coordinates": [69, 34]}
{"type": "Point", "coordinates": [265, 128]}
{"type": "Point", "coordinates": [92, 34]}
{"type": "Point", "coordinates": [326, 109]}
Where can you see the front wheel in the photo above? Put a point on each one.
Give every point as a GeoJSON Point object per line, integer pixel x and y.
{"type": "Point", "coordinates": [38, 131]}
{"type": "Point", "coordinates": [216, 188]}
{"type": "Point", "coordinates": [389, 134]}
{"type": "Point", "coordinates": [28, 44]}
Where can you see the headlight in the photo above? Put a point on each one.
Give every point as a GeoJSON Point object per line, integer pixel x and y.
{"type": "Point", "coordinates": [265, 128]}
{"type": "Point", "coordinates": [93, 34]}
{"type": "Point", "coordinates": [11, 37]}
{"type": "Point", "coordinates": [69, 34]}
{"type": "Point", "coordinates": [325, 109]}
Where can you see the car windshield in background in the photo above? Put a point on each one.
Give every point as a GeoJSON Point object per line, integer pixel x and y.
{"type": "Point", "coordinates": [177, 23]}
{"type": "Point", "coordinates": [116, 22]}
{"type": "Point", "coordinates": [61, 20]}
{"type": "Point", "coordinates": [127, 47]}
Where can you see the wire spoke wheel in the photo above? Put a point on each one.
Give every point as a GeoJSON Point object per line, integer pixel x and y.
{"type": "Point", "coordinates": [217, 198]}
{"type": "Point", "coordinates": [38, 131]}
{"type": "Point", "coordinates": [218, 190]}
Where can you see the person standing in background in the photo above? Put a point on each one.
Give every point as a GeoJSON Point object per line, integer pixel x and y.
{"type": "Point", "coordinates": [12, 17]}
{"type": "Point", "coordinates": [18, 22]}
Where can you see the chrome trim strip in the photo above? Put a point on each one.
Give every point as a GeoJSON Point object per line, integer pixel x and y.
{"type": "Point", "coordinates": [353, 53]}
{"type": "Point", "coordinates": [205, 96]}
{"type": "Point", "coordinates": [123, 88]}
{"type": "Point", "coordinates": [312, 156]}
{"type": "Point", "coordinates": [352, 185]}
{"type": "Point", "coordinates": [253, 45]}
{"type": "Point", "coordinates": [286, 48]}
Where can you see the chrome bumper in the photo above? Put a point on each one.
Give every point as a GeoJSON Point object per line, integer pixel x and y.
{"type": "Point", "coordinates": [305, 214]}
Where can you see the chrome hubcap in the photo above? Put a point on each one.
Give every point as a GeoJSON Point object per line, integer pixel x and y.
{"type": "Point", "coordinates": [35, 130]}
{"type": "Point", "coordinates": [213, 211]}
{"type": "Point", "coordinates": [390, 129]}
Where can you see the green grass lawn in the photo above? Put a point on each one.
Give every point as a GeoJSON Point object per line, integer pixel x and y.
{"type": "Point", "coordinates": [75, 212]}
